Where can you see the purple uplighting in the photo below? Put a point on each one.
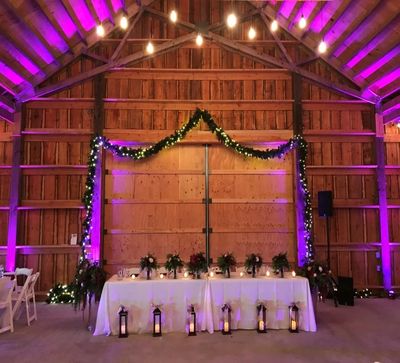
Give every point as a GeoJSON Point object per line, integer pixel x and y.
{"type": "Point", "coordinates": [305, 10]}
{"type": "Point", "coordinates": [287, 8]}
{"type": "Point", "coordinates": [117, 5]}
{"type": "Point", "coordinates": [101, 10]}
{"type": "Point", "coordinates": [324, 15]}
{"type": "Point", "coordinates": [10, 74]}
{"type": "Point", "coordinates": [83, 14]}
{"type": "Point", "coordinates": [380, 63]}
{"type": "Point", "coordinates": [386, 79]}
{"type": "Point", "coordinates": [65, 21]}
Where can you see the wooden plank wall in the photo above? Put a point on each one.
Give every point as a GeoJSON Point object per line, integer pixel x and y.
{"type": "Point", "coordinates": [151, 102]}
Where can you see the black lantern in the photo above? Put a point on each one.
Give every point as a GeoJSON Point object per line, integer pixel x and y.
{"type": "Point", "coordinates": [293, 318]}
{"type": "Point", "coordinates": [192, 321]}
{"type": "Point", "coordinates": [157, 322]}
{"type": "Point", "coordinates": [226, 319]}
{"type": "Point", "coordinates": [261, 318]}
{"type": "Point", "coordinates": [123, 322]}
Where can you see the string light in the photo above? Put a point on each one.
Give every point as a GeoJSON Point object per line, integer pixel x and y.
{"type": "Point", "coordinates": [302, 22]}
{"type": "Point", "coordinates": [123, 23]}
{"type": "Point", "coordinates": [100, 30]}
{"type": "Point", "coordinates": [322, 47]}
{"type": "Point", "coordinates": [274, 26]}
{"type": "Point", "coordinates": [173, 16]}
{"type": "Point", "coordinates": [150, 48]}
{"type": "Point", "coordinates": [398, 124]}
{"type": "Point", "coordinates": [252, 33]}
{"type": "Point", "coordinates": [199, 40]}
{"type": "Point", "coordinates": [231, 20]}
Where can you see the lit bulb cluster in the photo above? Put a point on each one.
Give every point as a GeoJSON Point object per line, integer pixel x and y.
{"type": "Point", "coordinates": [99, 142]}
{"type": "Point", "coordinates": [61, 294]}
{"type": "Point", "coordinates": [363, 294]}
{"type": "Point", "coordinates": [123, 24]}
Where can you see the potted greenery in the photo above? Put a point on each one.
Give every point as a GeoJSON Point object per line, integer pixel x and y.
{"type": "Point", "coordinates": [280, 262]}
{"type": "Point", "coordinates": [253, 262]}
{"type": "Point", "coordinates": [226, 262]}
{"type": "Point", "coordinates": [173, 263]}
{"type": "Point", "coordinates": [148, 262]}
{"type": "Point", "coordinates": [89, 281]}
{"type": "Point", "coordinates": [197, 264]}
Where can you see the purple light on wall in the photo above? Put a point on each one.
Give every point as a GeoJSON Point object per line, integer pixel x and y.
{"type": "Point", "coordinates": [101, 10]}
{"type": "Point", "coordinates": [305, 10]}
{"type": "Point", "coordinates": [371, 46]}
{"type": "Point", "coordinates": [51, 35]}
{"type": "Point", "coordinates": [83, 14]}
{"type": "Point", "coordinates": [378, 64]}
{"type": "Point", "coordinates": [386, 79]}
{"type": "Point", "coordinates": [116, 4]}
{"type": "Point", "coordinates": [95, 235]}
{"type": "Point", "coordinates": [67, 25]}
{"type": "Point", "coordinates": [324, 15]}
{"type": "Point", "coordinates": [10, 74]}
{"type": "Point", "coordinates": [287, 8]}
{"type": "Point", "coordinates": [18, 56]}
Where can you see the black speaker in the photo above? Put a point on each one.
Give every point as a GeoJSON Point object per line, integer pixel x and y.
{"type": "Point", "coordinates": [325, 205]}
{"type": "Point", "coordinates": [345, 291]}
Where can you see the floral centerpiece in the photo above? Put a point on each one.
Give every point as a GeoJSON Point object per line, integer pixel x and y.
{"type": "Point", "coordinates": [148, 262]}
{"type": "Point", "coordinates": [253, 262]}
{"type": "Point", "coordinates": [197, 264]}
{"type": "Point", "coordinates": [319, 277]}
{"type": "Point", "coordinates": [225, 262]}
{"type": "Point", "coordinates": [173, 263]}
{"type": "Point", "coordinates": [280, 262]}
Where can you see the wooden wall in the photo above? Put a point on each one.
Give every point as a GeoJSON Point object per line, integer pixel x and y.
{"type": "Point", "coordinates": [156, 96]}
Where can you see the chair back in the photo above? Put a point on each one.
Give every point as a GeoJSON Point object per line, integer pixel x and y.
{"type": "Point", "coordinates": [21, 275]}
{"type": "Point", "coordinates": [6, 289]}
{"type": "Point", "coordinates": [31, 285]}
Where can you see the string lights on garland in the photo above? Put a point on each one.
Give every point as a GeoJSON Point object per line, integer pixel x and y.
{"type": "Point", "coordinates": [99, 142]}
{"type": "Point", "coordinates": [61, 294]}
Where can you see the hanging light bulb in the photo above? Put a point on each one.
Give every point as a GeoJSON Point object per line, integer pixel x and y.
{"type": "Point", "coordinates": [252, 33]}
{"type": "Point", "coordinates": [398, 124]}
{"type": "Point", "coordinates": [123, 23]}
{"type": "Point", "coordinates": [173, 16]}
{"type": "Point", "coordinates": [150, 48]}
{"type": "Point", "coordinates": [302, 22]}
{"type": "Point", "coordinates": [199, 40]}
{"type": "Point", "coordinates": [231, 20]}
{"type": "Point", "coordinates": [322, 47]}
{"type": "Point", "coordinates": [274, 26]}
{"type": "Point", "coordinates": [100, 30]}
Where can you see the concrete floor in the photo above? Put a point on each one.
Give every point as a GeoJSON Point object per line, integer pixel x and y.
{"type": "Point", "coordinates": [367, 332]}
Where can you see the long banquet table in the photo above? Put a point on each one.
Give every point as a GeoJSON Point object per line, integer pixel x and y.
{"type": "Point", "coordinates": [207, 295]}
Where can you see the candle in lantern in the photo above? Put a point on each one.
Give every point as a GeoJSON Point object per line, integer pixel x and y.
{"type": "Point", "coordinates": [186, 274]}
{"type": "Point", "coordinates": [191, 327]}
{"type": "Point", "coordinates": [212, 274]}
{"type": "Point", "coordinates": [226, 326]}
{"type": "Point", "coordinates": [268, 274]}
{"type": "Point", "coordinates": [293, 273]}
{"type": "Point", "coordinates": [133, 277]}
{"type": "Point", "coordinates": [123, 328]}
{"type": "Point", "coordinates": [293, 325]}
{"type": "Point", "coordinates": [241, 274]}
{"type": "Point", "coordinates": [161, 276]}
{"type": "Point", "coordinates": [157, 328]}
{"type": "Point", "coordinates": [261, 325]}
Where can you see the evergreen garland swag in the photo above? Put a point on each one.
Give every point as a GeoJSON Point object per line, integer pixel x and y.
{"type": "Point", "coordinates": [99, 142]}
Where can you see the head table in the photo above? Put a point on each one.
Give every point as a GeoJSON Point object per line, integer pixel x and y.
{"type": "Point", "coordinates": [208, 295]}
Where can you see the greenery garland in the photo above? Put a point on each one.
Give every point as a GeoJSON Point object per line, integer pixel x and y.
{"type": "Point", "coordinates": [99, 142]}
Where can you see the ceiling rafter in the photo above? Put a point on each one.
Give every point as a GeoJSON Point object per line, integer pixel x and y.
{"type": "Point", "coordinates": [7, 116]}
{"type": "Point", "coordinates": [70, 11]}
{"type": "Point", "coordinates": [393, 116]}
{"type": "Point", "coordinates": [28, 27]}
{"type": "Point", "coordinates": [301, 33]}
{"type": "Point", "coordinates": [389, 106]}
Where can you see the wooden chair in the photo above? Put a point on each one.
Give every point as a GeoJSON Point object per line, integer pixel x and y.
{"type": "Point", "coordinates": [19, 296]}
{"type": "Point", "coordinates": [6, 288]}
{"type": "Point", "coordinates": [30, 295]}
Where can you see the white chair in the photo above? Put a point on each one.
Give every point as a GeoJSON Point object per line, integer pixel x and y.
{"type": "Point", "coordinates": [30, 295]}
{"type": "Point", "coordinates": [21, 272]}
{"type": "Point", "coordinates": [6, 288]}
{"type": "Point", "coordinates": [19, 296]}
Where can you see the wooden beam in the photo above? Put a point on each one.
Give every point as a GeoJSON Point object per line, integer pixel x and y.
{"type": "Point", "coordinates": [390, 88]}
{"type": "Point", "coordinates": [93, 11]}
{"type": "Point", "coordinates": [6, 116]}
{"type": "Point", "coordinates": [7, 103]}
{"type": "Point", "coordinates": [94, 56]}
{"type": "Point", "coordinates": [126, 35]}
{"type": "Point", "coordinates": [393, 116]}
{"type": "Point", "coordinates": [15, 188]}
{"type": "Point", "coordinates": [387, 107]}
{"type": "Point", "coordinates": [278, 41]}
{"type": "Point", "coordinates": [383, 205]}
{"type": "Point", "coordinates": [70, 11]}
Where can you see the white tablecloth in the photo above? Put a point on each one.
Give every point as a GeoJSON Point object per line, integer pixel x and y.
{"type": "Point", "coordinates": [208, 295]}
{"type": "Point", "coordinates": [138, 296]}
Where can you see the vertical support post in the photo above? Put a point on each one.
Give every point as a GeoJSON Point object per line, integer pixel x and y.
{"type": "Point", "coordinates": [207, 206]}
{"type": "Point", "coordinates": [15, 189]}
{"type": "Point", "coordinates": [97, 235]}
{"type": "Point", "coordinates": [298, 130]}
{"type": "Point", "coordinates": [383, 210]}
